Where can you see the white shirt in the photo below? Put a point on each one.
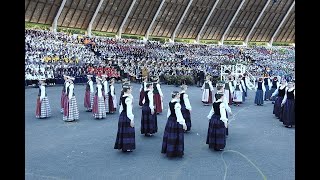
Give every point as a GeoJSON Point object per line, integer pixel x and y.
{"type": "Point", "coordinates": [99, 87]}
{"type": "Point", "coordinates": [112, 90]}
{"type": "Point", "coordinates": [223, 112]}
{"type": "Point", "coordinates": [150, 96]}
{"type": "Point", "coordinates": [106, 88]}
{"type": "Point", "coordinates": [129, 103]}
{"type": "Point", "coordinates": [71, 87]}
{"type": "Point", "coordinates": [43, 92]}
{"type": "Point", "coordinates": [91, 86]}
{"type": "Point", "coordinates": [177, 109]}
{"type": "Point", "coordinates": [186, 101]}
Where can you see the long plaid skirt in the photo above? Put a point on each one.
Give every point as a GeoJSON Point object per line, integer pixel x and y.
{"type": "Point", "coordinates": [88, 100]}
{"type": "Point", "coordinates": [126, 134]}
{"type": "Point", "coordinates": [112, 109]}
{"type": "Point", "coordinates": [173, 138]}
{"type": "Point", "coordinates": [277, 109]}
{"type": "Point", "coordinates": [43, 109]}
{"type": "Point", "coordinates": [63, 95]}
{"type": "Point", "coordinates": [70, 111]}
{"type": "Point", "coordinates": [288, 114]}
{"type": "Point", "coordinates": [99, 108]}
{"type": "Point", "coordinates": [157, 103]}
{"type": "Point", "coordinates": [148, 121]}
{"type": "Point", "coordinates": [141, 97]}
{"type": "Point", "coordinates": [187, 116]}
{"type": "Point", "coordinates": [207, 96]}
{"type": "Point", "coordinates": [259, 97]}
{"type": "Point", "coordinates": [216, 137]}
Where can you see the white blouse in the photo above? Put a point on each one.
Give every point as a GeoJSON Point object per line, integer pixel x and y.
{"type": "Point", "coordinates": [177, 109]}
{"type": "Point", "coordinates": [129, 103]}
{"type": "Point", "coordinates": [222, 112]}
{"type": "Point", "coordinates": [186, 101]}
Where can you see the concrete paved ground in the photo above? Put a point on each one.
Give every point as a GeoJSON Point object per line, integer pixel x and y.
{"type": "Point", "coordinates": [258, 145]}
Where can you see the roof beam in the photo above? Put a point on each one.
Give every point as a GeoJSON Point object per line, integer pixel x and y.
{"type": "Point", "coordinates": [283, 20]}
{"type": "Point", "coordinates": [125, 19]}
{"type": "Point", "coordinates": [93, 18]}
{"type": "Point", "coordinates": [146, 36]}
{"type": "Point", "coordinates": [181, 19]}
{"type": "Point", "coordinates": [233, 18]}
{"type": "Point", "coordinates": [206, 21]}
{"type": "Point", "coordinates": [55, 21]}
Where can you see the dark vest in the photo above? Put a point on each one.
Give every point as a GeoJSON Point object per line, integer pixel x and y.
{"type": "Point", "coordinates": [290, 95]}
{"type": "Point", "coordinates": [237, 87]}
{"type": "Point", "coordinates": [265, 81]}
{"type": "Point", "coordinates": [181, 99]}
{"type": "Point", "coordinates": [39, 93]}
{"type": "Point", "coordinates": [206, 85]}
{"type": "Point", "coordinates": [274, 84]}
{"type": "Point", "coordinates": [124, 105]}
{"type": "Point", "coordinates": [155, 89]}
{"type": "Point", "coordinates": [64, 87]}
{"type": "Point", "coordinates": [88, 86]}
{"type": "Point", "coordinates": [146, 98]}
{"type": "Point", "coordinates": [281, 92]}
{"type": "Point", "coordinates": [216, 108]}
{"type": "Point", "coordinates": [227, 86]}
{"type": "Point", "coordinates": [102, 83]}
{"type": "Point", "coordinates": [68, 89]}
{"type": "Point", "coordinates": [142, 86]}
{"type": "Point", "coordinates": [259, 85]}
{"type": "Point", "coordinates": [171, 106]}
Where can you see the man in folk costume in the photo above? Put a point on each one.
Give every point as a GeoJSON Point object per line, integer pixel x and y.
{"type": "Point", "coordinates": [207, 91]}
{"type": "Point", "coordinates": [64, 92]}
{"type": "Point", "coordinates": [228, 90]}
{"type": "Point", "coordinates": [267, 85]}
{"type": "Point", "coordinates": [142, 89]}
{"type": "Point", "coordinates": [157, 95]}
{"type": "Point", "coordinates": [237, 93]}
{"type": "Point", "coordinates": [218, 122]}
{"type": "Point", "coordinates": [105, 91]}
{"type": "Point", "coordinates": [89, 94]}
{"type": "Point", "coordinates": [70, 111]}
{"type": "Point", "coordinates": [149, 124]}
{"type": "Point", "coordinates": [126, 133]}
{"type": "Point", "coordinates": [173, 136]}
{"type": "Point", "coordinates": [112, 97]}
{"type": "Point", "coordinates": [185, 106]}
{"type": "Point", "coordinates": [43, 109]}
{"type": "Point", "coordinates": [274, 86]}
{"type": "Point", "coordinates": [260, 89]}
{"type": "Point", "coordinates": [99, 106]}
{"type": "Point", "coordinates": [288, 104]}
{"type": "Point", "coordinates": [279, 93]}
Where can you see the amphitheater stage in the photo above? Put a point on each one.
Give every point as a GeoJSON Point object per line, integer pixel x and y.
{"type": "Point", "coordinates": [258, 146]}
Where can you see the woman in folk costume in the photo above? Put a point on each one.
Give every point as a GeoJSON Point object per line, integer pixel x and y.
{"type": "Point", "coordinates": [274, 86]}
{"type": "Point", "coordinates": [173, 136]}
{"type": "Point", "coordinates": [245, 87]}
{"type": "Point", "coordinates": [89, 94]}
{"type": "Point", "coordinates": [112, 97]}
{"type": "Point", "coordinates": [70, 111]}
{"type": "Point", "coordinates": [185, 106]}
{"type": "Point", "coordinates": [207, 91]}
{"type": "Point", "coordinates": [279, 93]}
{"type": "Point", "coordinates": [105, 91]}
{"type": "Point", "coordinates": [64, 92]}
{"type": "Point", "coordinates": [157, 95]}
{"type": "Point", "coordinates": [142, 89]}
{"type": "Point", "coordinates": [238, 92]}
{"type": "Point", "coordinates": [149, 124]}
{"type": "Point", "coordinates": [218, 122]}
{"type": "Point", "coordinates": [267, 85]}
{"type": "Point", "coordinates": [126, 134]}
{"type": "Point", "coordinates": [228, 90]}
{"type": "Point", "coordinates": [220, 90]}
{"type": "Point", "coordinates": [260, 89]}
{"type": "Point", "coordinates": [99, 106]}
{"type": "Point", "coordinates": [43, 109]}
{"type": "Point", "coordinates": [288, 104]}
{"type": "Point", "coordinates": [245, 81]}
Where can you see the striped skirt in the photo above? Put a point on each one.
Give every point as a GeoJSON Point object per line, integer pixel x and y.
{"type": "Point", "coordinates": [187, 116]}
{"type": "Point", "coordinates": [267, 93]}
{"type": "Point", "coordinates": [277, 109]}
{"type": "Point", "coordinates": [237, 96]}
{"type": "Point", "coordinates": [148, 121]}
{"type": "Point", "coordinates": [126, 134]}
{"type": "Point", "coordinates": [207, 96]}
{"type": "Point", "coordinates": [141, 97]}
{"type": "Point", "coordinates": [111, 102]}
{"type": "Point", "coordinates": [99, 108]}
{"type": "Point", "coordinates": [88, 100]}
{"type": "Point", "coordinates": [259, 97]}
{"type": "Point", "coordinates": [157, 103]}
{"type": "Point", "coordinates": [288, 114]}
{"type": "Point", "coordinates": [216, 137]}
{"type": "Point", "coordinates": [106, 101]}
{"type": "Point", "coordinates": [70, 111]}
{"type": "Point", "coordinates": [43, 109]}
{"type": "Point", "coordinates": [173, 138]}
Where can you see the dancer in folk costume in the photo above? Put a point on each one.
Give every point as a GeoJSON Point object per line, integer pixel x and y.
{"type": "Point", "coordinates": [207, 91]}
{"type": "Point", "coordinates": [89, 94]}
{"type": "Point", "coordinates": [126, 134]}
{"type": "Point", "coordinates": [274, 86]}
{"type": "Point", "coordinates": [260, 89]}
{"type": "Point", "coordinates": [173, 136]}
{"type": "Point", "coordinates": [238, 92]}
{"type": "Point", "coordinates": [185, 106]}
{"type": "Point", "coordinates": [70, 111]}
{"type": "Point", "coordinates": [112, 97]}
{"type": "Point", "coordinates": [64, 92]}
{"type": "Point", "coordinates": [105, 91]}
{"type": "Point", "coordinates": [267, 85]}
{"type": "Point", "coordinates": [218, 122]}
{"type": "Point", "coordinates": [125, 82]}
{"type": "Point", "coordinates": [288, 104]}
{"type": "Point", "coordinates": [149, 124]}
{"type": "Point", "coordinates": [220, 90]}
{"type": "Point", "coordinates": [99, 106]}
{"type": "Point", "coordinates": [247, 84]}
{"type": "Point", "coordinates": [228, 90]}
{"type": "Point", "coordinates": [142, 89]}
{"type": "Point", "coordinates": [43, 109]}
{"type": "Point", "coordinates": [279, 94]}
{"type": "Point", "coordinates": [157, 95]}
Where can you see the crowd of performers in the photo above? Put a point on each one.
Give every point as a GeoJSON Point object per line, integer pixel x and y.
{"type": "Point", "coordinates": [102, 100]}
